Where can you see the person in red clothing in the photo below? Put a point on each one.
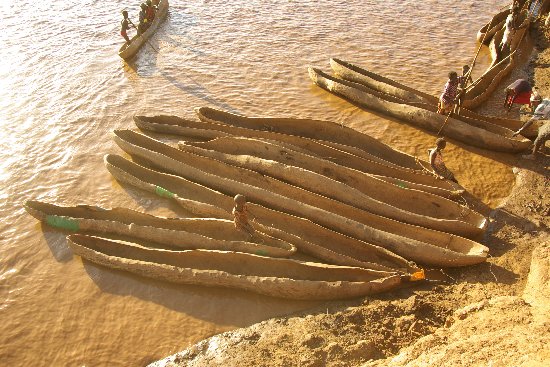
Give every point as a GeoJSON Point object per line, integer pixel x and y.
{"type": "Point", "coordinates": [124, 26]}
{"type": "Point", "coordinates": [150, 11]}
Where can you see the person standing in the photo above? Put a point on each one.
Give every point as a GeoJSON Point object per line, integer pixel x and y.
{"type": "Point", "coordinates": [436, 161]}
{"type": "Point", "coordinates": [150, 12]}
{"type": "Point", "coordinates": [241, 214]}
{"type": "Point", "coordinates": [450, 92]}
{"type": "Point", "coordinates": [124, 26]}
{"type": "Point", "coordinates": [542, 112]}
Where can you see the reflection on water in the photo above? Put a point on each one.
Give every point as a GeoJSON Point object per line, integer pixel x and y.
{"type": "Point", "coordinates": [63, 89]}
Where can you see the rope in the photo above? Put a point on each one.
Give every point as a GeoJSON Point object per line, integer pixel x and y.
{"type": "Point", "coordinates": [444, 123]}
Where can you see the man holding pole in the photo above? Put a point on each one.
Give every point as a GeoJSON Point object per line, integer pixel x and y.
{"type": "Point", "coordinates": [124, 26]}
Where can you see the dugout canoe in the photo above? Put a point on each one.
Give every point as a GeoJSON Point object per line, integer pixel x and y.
{"type": "Point", "coordinates": [169, 159]}
{"type": "Point", "coordinates": [186, 233]}
{"type": "Point", "coordinates": [486, 33]}
{"type": "Point", "coordinates": [315, 240]}
{"type": "Point", "coordinates": [497, 138]}
{"type": "Point", "coordinates": [245, 152]}
{"type": "Point", "coordinates": [330, 133]}
{"type": "Point", "coordinates": [406, 177]}
{"type": "Point", "coordinates": [329, 213]}
{"type": "Point", "coordinates": [503, 64]}
{"type": "Point", "coordinates": [405, 94]}
{"type": "Point", "coordinates": [129, 50]}
{"type": "Point", "coordinates": [283, 278]}
{"type": "Point", "coordinates": [456, 252]}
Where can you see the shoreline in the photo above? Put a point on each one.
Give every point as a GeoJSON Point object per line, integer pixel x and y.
{"type": "Point", "coordinates": [437, 318]}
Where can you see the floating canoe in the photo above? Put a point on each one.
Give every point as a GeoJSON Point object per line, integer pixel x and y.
{"type": "Point", "coordinates": [326, 131]}
{"type": "Point", "coordinates": [417, 179]}
{"type": "Point", "coordinates": [187, 233]}
{"type": "Point", "coordinates": [443, 249]}
{"type": "Point", "coordinates": [258, 155]}
{"type": "Point", "coordinates": [316, 240]}
{"type": "Point", "coordinates": [459, 221]}
{"type": "Point", "coordinates": [128, 50]}
{"type": "Point", "coordinates": [273, 277]}
{"type": "Point", "coordinates": [486, 33]}
{"type": "Point", "coordinates": [404, 94]}
{"type": "Point", "coordinates": [497, 138]}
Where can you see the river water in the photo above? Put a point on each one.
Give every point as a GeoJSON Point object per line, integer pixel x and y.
{"type": "Point", "coordinates": [63, 89]}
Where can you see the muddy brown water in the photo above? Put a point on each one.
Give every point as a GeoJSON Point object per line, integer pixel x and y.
{"type": "Point", "coordinates": [63, 89]}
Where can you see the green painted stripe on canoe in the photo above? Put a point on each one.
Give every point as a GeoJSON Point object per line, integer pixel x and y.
{"type": "Point", "coordinates": [163, 192]}
{"type": "Point", "coordinates": [62, 222]}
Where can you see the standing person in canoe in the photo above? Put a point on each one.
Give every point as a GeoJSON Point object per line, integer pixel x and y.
{"type": "Point", "coordinates": [150, 12]}
{"type": "Point", "coordinates": [241, 214]}
{"type": "Point", "coordinates": [124, 26]}
{"type": "Point", "coordinates": [450, 93]}
{"type": "Point", "coordinates": [509, 27]}
{"type": "Point", "coordinates": [436, 161]}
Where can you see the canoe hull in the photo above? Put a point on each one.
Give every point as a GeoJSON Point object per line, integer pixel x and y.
{"type": "Point", "coordinates": [276, 283]}
{"type": "Point", "coordinates": [127, 51]}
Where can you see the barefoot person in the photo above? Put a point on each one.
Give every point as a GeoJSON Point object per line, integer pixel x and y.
{"type": "Point", "coordinates": [542, 112]}
{"type": "Point", "coordinates": [450, 91]}
{"type": "Point", "coordinates": [124, 26]}
{"type": "Point", "coordinates": [436, 161]}
{"type": "Point", "coordinates": [241, 214]}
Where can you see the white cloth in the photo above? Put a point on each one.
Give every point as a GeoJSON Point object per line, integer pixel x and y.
{"type": "Point", "coordinates": [508, 31]}
{"type": "Point", "coordinates": [542, 112]}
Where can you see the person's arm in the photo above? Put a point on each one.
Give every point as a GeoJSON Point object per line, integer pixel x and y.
{"type": "Point", "coordinates": [525, 125]}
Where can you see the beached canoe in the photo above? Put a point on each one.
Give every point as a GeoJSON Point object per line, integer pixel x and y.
{"type": "Point", "coordinates": [128, 50]}
{"type": "Point", "coordinates": [405, 177]}
{"type": "Point", "coordinates": [330, 133]}
{"type": "Point", "coordinates": [258, 155]}
{"type": "Point", "coordinates": [283, 278]}
{"type": "Point", "coordinates": [503, 64]}
{"type": "Point", "coordinates": [486, 33]}
{"type": "Point", "coordinates": [491, 137]}
{"type": "Point", "coordinates": [405, 94]}
{"type": "Point", "coordinates": [186, 233]}
{"type": "Point", "coordinates": [445, 249]}
{"type": "Point", "coordinates": [170, 159]}
{"type": "Point", "coordinates": [316, 240]}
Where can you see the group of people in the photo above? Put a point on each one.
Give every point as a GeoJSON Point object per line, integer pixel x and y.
{"type": "Point", "coordinates": [146, 16]}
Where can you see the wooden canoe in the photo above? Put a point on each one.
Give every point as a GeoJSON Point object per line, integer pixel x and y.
{"type": "Point", "coordinates": [326, 131]}
{"type": "Point", "coordinates": [129, 50]}
{"type": "Point", "coordinates": [493, 26]}
{"type": "Point", "coordinates": [264, 275]}
{"type": "Point", "coordinates": [491, 137]}
{"type": "Point", "coordinates": [394, 91]}
{"type": "Point", "coordinates": [405, 177]}
{"type": "Point", "coordinates": [316, 240]}
{"type": "Point", "coordinates": [161, 155]}
{"type": "Point", "coordinates": [264, 151]}
{"type": "Point", "coordinates": [502, 66]}
{"type": "Point", "coordinates": [441, 249]}
{"type": "Point", "coordinates": [186, 233]}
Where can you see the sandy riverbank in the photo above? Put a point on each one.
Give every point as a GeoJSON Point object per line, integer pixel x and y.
{"type": "Point", "coordinates": [491, 314]}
